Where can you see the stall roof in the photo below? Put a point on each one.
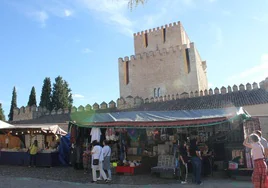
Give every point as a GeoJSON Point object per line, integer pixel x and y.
{"type": "Point", "coordinates": [163, 118]}
{"type": "Point", "coordinates": [5, 125]}
{"type": "Point", "coordinates": [55, 129]}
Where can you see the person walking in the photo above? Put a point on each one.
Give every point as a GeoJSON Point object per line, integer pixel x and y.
{"type": "Point", "coordinates": [106, 151]}
{"type": "Point", "coordinates": [260, 167]}
{"type": "Point", "coordinates": [183, 162]}
{"type": "Point", "coordinates": [196, 161]}
{"type": "Point", "coordinates": [264, 144]}
{"type": "Point", "coordinates": [97, 160]}
{"type": "Point", "coordinates": [33, 152]}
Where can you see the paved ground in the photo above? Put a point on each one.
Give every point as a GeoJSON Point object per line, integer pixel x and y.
{"type": "Point", "coordinates": [11, 182]}
{"type": "Point", "coordinates": [20, 177]}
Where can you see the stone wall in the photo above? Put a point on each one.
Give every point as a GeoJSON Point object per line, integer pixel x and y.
{"type": "Point", "coordinates": [165, 61]}
{"type": "Point", "coordinates": [259, 110]}
{"type": "Point", "coordinates": [33, 112]}
{"type": "Point", "coordinates": [131, 102]}
{"type": "Point", "coordinates": [165, 70]}
{"type": "Point", "coordinates": [158, 38]}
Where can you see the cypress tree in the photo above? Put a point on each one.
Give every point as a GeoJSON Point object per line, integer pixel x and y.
{"type": "Point", "coordinates": [61, 94]}
{"type": "Point", "coordinates": [32, 98]}
{"type": "Point", "coordinates": [2, 116]}
{"type": "Point", "coordinates": [13, 104]}
{"type": "Point", "coordinates": [45, 99]}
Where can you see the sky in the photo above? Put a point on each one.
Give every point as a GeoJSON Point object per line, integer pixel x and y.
{"type": "Point", "coordinates": [81, 40]}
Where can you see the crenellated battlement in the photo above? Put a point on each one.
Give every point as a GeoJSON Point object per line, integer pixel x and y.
{"type": "Point", "coordinates": [27, 113]}
{"type": "Point", "coordinates": [171, 25]}
{"type": "Point", "coordinates": [158, 53]}
{"type": "Point", "coordinates": [130, 102]}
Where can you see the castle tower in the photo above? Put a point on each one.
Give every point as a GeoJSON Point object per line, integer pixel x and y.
{"type": "Point", "coordinates": [165, 63]}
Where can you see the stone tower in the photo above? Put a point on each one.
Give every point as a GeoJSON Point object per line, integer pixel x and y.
{"type": "Point", "coordinates": [165, 63]}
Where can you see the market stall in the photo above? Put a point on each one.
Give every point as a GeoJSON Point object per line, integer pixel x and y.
{"type": "Point", "coordinates": [16, 140]}
{"type": "Point", "coordinates": [138, 138]}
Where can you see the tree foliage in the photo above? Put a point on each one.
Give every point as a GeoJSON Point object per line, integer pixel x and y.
{"type": "Point", "coordinates": [2, 116]}
{"type": "Point", "coordinates": [13, 104]}
{"type": "Point", "coordinates": [61, 94]}
{"type": "Point", "coordinates": [45, 99]}
{"type": "Point", "coordinates": [135, 3]}
{"type": "Point", "coordinates": [32, 98]}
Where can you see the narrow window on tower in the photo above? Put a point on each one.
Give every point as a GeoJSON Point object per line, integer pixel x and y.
{"type": "Point", "coordinates": [187, 58]}
{"type": "Point", "coordinates": [164, 34]}
{"type": "Point", "coordinates": [145, 38]}
{"type": "Point", "coordinates": [126, 73]}
{"type": "Point", "coordinates": [155, 94]}
{"type": "Point", "coordinates": [158, 92]}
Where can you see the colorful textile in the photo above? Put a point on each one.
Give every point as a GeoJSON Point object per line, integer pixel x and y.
{"type": "Point", "coordinates": [259, 173]}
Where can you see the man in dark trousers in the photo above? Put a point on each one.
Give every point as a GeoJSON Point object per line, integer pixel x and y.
{"type": "Point", "coordinates": [196, 161]}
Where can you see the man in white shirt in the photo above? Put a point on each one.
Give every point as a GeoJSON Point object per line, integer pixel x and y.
{"type": "Point", "coordinates": [97, 154]}
{"type": "Point", "coordinates": [264, 143]}
{"type": "Point", "coordinates": [106, 152]}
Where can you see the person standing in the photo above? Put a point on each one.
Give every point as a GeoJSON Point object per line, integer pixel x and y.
{"type": "Point", "coordinates": [264, 144]}
{"type": "Point", "coordinates": [183, 162]}
{"type": "Point", "coordinates": [106, 151]}
{"type": "Point", "coordinates": [33, 153]}
{"type": "Point", "coordinates": [86, 160]}
{"type": "Point", "coordinates": [260, 167]}
{"type": "Point", "coordinates": [196, 161]}
{"type": "Point", "coordinates": [176, 151]}
{"type": "Point", "coordinates": [97, 160]}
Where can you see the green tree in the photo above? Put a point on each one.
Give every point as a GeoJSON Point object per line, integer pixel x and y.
{"type": "Point", "coordinates": [61, 94]}
{"type": "Point", "coordinates": [45, 99]}
{"type": "Point", "coordinates": [13, 104]}
{"type": "Point", "coordinates": [132, 3]}
{"type": "Point", "coordinates": [67, 92]}
{"type": "Point", "coordinates": [32, 98]}
{"type": "Point", "coordinates": [2, 116]}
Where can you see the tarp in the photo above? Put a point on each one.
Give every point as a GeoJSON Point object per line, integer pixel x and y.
{"type": "Point", "coordinates": [163, 118]}
{"type": "Point", "coordinates": [5, 125]}
{"type": "Point", "coordinates": [55, 129]}
{"type": "Point", "coordinates": [64, 150]}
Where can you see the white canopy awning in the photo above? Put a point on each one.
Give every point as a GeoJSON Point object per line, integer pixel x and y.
{"type": "Point", "coordinates": [55, 129]}
{"type": "Point", "coordinates": [5, 125]}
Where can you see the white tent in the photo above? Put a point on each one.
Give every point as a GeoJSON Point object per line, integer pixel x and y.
{"type": "Point", "coordinates": [5, 125]}
{"type": "Point", "coordinates": [55, 129]}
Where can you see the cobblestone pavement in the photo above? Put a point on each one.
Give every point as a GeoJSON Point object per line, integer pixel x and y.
{"type": "Point", "coordinates": [20, 177]}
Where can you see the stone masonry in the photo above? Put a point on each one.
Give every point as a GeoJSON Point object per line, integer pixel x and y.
{"type": "Point", "coordinates": [165, 62]}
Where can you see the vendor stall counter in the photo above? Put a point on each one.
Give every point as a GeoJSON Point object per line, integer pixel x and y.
{"type": "Point", "coordinates": [22, 158]}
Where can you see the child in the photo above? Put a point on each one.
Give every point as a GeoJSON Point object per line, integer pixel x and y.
{"type": "Point", "coordinates": [86, 160]}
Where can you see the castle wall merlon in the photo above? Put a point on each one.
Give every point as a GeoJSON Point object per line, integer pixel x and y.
{"type": "Point", "coordinates": [138, 56]}
{"type": "Point", "coordinates": [132, 57]}
{"type": "Point", "coordinates": [120, 60]}
{"type": "Point", "coordinates": [174, 24]}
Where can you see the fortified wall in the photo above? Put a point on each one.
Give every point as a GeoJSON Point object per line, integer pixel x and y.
{"type": "Point", "coordinates": [26, 113]}
{"type": "Point", "coordinates": [165, 61]}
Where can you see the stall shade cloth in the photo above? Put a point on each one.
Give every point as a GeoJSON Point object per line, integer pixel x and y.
{"type": "Point", "coordinates": [55, 129]}
{"type": "Point", "coordinates": [5, 125]}
{"type": "Point", "coordinates": [163, 117]}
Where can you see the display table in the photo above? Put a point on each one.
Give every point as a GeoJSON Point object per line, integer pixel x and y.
{"type": "Point", "coordinates": [23, 158]}
{"type": "Point", "coordinates": [128, 170]}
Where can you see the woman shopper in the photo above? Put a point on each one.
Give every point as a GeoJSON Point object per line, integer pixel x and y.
{"type": "Point", "coordinates": [106, 151]}
{"type": "Point", "coordinates": [260, 167]}
{"type": "Point", "coordinates": [33, 152]}
{"type": "Point", "coordinates": [183, 162]}
{"type": "Point", "coordinates": [97, 160]}
{"type": "Point", "coordinates": [196, 161]}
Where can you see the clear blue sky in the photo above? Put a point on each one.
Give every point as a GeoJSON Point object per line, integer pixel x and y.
{"type": "Point", "coordinates": [81, 40]}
